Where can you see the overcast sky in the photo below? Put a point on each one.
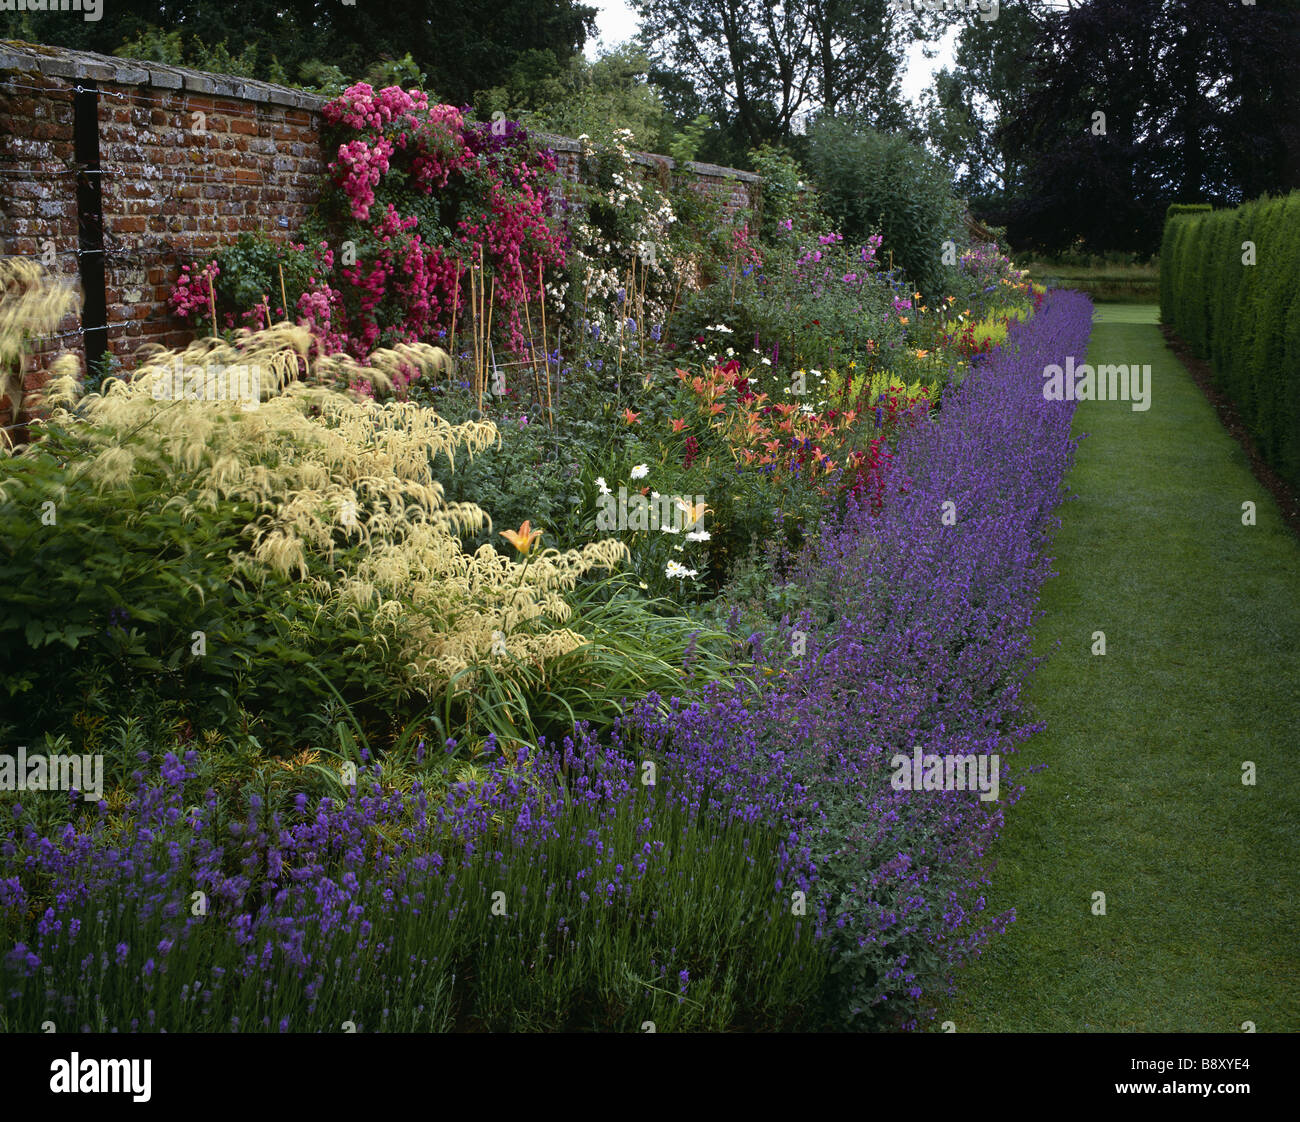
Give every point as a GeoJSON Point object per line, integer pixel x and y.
{"type": "Point", "coordinates": [617, 23]}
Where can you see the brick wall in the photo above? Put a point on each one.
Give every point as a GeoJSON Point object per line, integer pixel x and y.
{"type": "Point", "coordinates": [187, 162]}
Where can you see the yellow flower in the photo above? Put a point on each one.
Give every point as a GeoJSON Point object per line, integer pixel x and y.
{"type": "Point", "coordinates": [694, 511]}
{"type": "Point", "coordinates": [523, 538]}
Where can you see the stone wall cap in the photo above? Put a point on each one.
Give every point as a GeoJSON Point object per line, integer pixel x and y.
{"type": "Point", "coordinates": [62, 62]}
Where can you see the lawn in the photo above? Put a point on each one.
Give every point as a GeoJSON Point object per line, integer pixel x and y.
{"type": "Point", "coordinates": [1142, 795]}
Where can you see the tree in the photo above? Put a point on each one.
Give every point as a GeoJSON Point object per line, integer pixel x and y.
{"type": "Point", "coordinates": [463, 45]}
{"type": "Point", "coordinates": [763, 67]}
{"type": "Point", "coordinates": [971, 102]}
{"type": "Point", "coordinates": [612, 92]}
{"type": "Point", "coordinates": [1198, 99]}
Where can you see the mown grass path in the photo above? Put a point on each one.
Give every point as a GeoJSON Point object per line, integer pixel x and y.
{"type": "Point", "coordinates": [1142, 798]}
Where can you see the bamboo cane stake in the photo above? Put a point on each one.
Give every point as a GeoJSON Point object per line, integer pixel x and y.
{"type": "Point", "coordinates": [528, 320]}
{"type": "Point", "coordinates": [455, 307]}
{"type": "Point", "coordinates": [487, 338]}
{"type": "Point", "coordinates": [212, 303]}
{"type": "Point", "coordinates": [473, 308]}
{"type": "Point", "coordinates": [640, 313]}
{"type": "Point", "coordinates": [284, 299]}
{"type": "Point", "coordinates": [622, 319]}
{"type": "Point", "coordinates": [546, 354]}
{"type": "Point", "coordinates": [677, 292]}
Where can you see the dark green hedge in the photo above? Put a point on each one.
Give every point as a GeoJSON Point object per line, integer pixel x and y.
{"type": "Point", "coordinates": [1244, 318]}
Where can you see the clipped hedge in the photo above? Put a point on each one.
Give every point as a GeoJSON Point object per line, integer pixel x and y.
{"type": "Point", "coordinates": [1245, 319]}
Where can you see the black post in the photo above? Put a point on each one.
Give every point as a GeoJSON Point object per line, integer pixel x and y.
{"type": "Point", "coordinates": [90, 223]}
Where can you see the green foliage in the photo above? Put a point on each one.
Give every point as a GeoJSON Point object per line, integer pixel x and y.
{"type": "Point", "coordinates": [786, 193]}
{"type": "Point", "coordinates": [685, 146]}
{"type": "Point", "coordinates": [597, 98]}
{"type": "Point", "coordinates": [106, 590]}
{"type": "Point", "coordinates": [1241, 317]}
{"type": "Point", "coordinates": [155, 45]}
{"type": "Point", "coordinates": [872, 181]}
{"type": "Point", "coordinates": [250, 270]}
{"type": "Point", "coordinates": [323, 78]}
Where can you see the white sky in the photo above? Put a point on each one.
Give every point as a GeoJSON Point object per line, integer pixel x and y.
{"type": "Point", "coordinates": [616, 23]}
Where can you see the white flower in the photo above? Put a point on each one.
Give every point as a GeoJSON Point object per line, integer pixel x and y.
{"type": "Point", "coordinates": [679, 571]}
{"type": "Point", "coordinates": [667, 529]}
{"type": "Point", "coordinates": [640, 471]}
{"type": "Point", "coordinates": [698, 536]}
{"type": "Point", "coordinates": [765, 361]}
{"type": "Point", "coordinates": [603, 486]}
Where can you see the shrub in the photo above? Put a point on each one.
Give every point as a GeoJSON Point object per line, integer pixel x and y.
{"type": "Point", "coordinates": [1239, 316]}
{"type": "Point", "coordinates": [872, 182]}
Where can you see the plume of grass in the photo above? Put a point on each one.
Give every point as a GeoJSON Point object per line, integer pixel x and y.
{"type": "Point", "coordinates": [31, 304]}
{"type": "Point", "coordinates": [341, 490]}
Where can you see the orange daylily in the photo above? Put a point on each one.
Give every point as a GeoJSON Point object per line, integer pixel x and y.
{"type": "Point", "coordinates": [631, 418]}
{"type": "Point", "coordinates": [677, 424]}
{"type": "Point", "coordinates": [522, 539]}
{"type": "Point", "coordinates": [716, 407]}
{"type": "Point", "coordinates": [902, 319]}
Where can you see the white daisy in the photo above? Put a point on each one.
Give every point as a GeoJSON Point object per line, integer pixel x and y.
{"type": "Point", "coordinates": [698, 536]}
{"type": "Point", "coordinates": [602, 486]}
{"type": "Point", "coordinates": [640, 471]}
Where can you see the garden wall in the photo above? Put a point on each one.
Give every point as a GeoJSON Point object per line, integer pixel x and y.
{"type": "Point", "coordinates": [114, 172]}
